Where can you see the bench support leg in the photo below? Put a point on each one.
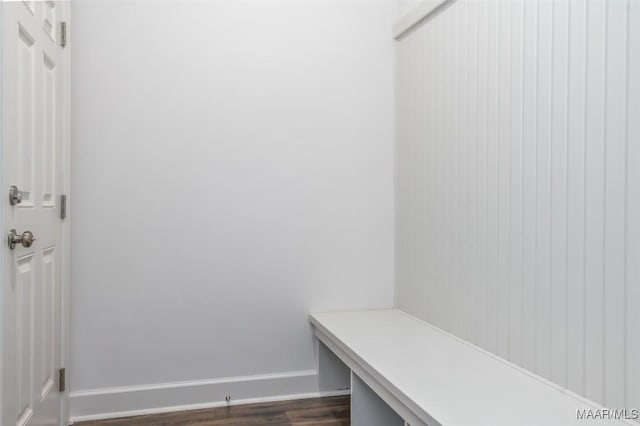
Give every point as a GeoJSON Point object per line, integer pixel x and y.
{"type": "Point", "coordinates": [368, 409]}
{"type": "Point", "coordinates": [333, 374]}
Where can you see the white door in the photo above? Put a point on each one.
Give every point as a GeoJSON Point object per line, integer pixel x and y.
{"type": "Point", "coordinates": [31, 160]}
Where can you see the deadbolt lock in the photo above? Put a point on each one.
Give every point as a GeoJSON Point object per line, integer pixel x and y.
{"type": "Point", "coordinates": [15, 195]}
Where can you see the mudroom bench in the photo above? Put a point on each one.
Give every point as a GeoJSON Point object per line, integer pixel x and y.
{"type": "Point", "coordinates": [405, 371]}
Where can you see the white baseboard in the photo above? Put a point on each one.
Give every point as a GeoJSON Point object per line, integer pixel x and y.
{"type": "Point", "coordinates": [127, 401]}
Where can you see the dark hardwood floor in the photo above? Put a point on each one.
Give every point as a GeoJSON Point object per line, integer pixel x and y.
{"type": "Point", "coordinates": [334, 411]}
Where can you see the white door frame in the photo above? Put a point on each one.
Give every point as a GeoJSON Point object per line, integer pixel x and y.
{"type": "Point", "coordinates": [66, 228]}
{"type": "Point", "coordinates": [65, 241]}
{"type": "Point", "coordinates": [2, 220]}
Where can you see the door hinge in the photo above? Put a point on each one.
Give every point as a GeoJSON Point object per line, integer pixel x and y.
{"type": "Point", "coordinates": [62, 379]}
{"type": "Point", "coordinates": [63, 206]}
{"type": "Point", "coordinates": [63, 34]}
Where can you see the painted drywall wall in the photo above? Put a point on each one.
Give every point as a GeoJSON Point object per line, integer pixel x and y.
{"type": "Point", "coordinates": [232, 171]}
{"type": "Point", "coordinates": [405, 6]}
{"type": "Point", "coordinates": [518, 187]}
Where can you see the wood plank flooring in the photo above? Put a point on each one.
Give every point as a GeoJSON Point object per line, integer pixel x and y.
{"type": "Point", "coordinates": [334, 411]}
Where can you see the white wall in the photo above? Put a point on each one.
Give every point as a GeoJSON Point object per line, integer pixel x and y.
{"type": "Point", "coordinates": [518, 186]}
{"type": "Point", "coordinates": [405, 6]}
{"type": "Point", "coordinates": [232, 171]}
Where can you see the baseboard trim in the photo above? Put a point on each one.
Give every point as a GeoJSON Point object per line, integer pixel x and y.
{"type": "Point", "coordinates": [107, 403]}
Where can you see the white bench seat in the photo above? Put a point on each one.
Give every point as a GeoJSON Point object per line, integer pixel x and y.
{"type": "Point", "coordinates": [429, 377]}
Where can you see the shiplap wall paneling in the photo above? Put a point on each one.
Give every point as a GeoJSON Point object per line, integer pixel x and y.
{"type": "Point", "coordinates": [518, 189]}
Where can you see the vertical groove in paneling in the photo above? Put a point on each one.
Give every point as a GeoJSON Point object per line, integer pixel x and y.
{"type": "Point", "coordinates": [632, 264]}
{"type": "Point", "coordinates": [504, 176]}
{"type": "Point", "coordinates": [430, 81]}
{"type": "Point", "coordinates": [543, 186]}
{"type": "Point", "coordinates": [584, 198]}
{"type": "Point", "coordinates": [464, 44]}
{"type": "Point", "coordinates": [529, 187]}
{"type": "Point", "coordinates": [423, 56]}
{"type": "Point", "coordinates": [437, 194]}
{"type": "Point", "coordinates": [402, 169]}
{"type": "Point", "coordinates": [405, 117]}
{"type": "Point", "coordinates": [447, 142]}
{"type": "Point", "coordinates": [454, 219]}
{"type": "Point", "coordinates": [431, 42]}
{"type": "Point", "coordinates": [481, 161]}
{"type": "Point", "coordinates": [615, 108]}
{"type": "Point", "coordinates": [627, 396]}
{"type": "Point", "coordinates": [594, 175]}
{"type": "Point", "coordinates": [567, 77]}
{"type": "Point", "coordinates": [413, 114]}
{"type": "Point", "coordinates": [408, 243]}
{"type": "Point", "coordinates": [472, 135]}
{"type": "Point", "coordinates": [443, 101]}
{"type": "Point", "coordinates": [558, 201]}
{"type": "Point", "coordinates": [414, 177]}
{"type": "Point", "coordinates": [413, 212]}
{"type": "Point", "coordinates": [605, 199]}
{"type": "Point", "coordinates": [492, 177]}
{"type": "Point", "coordinates": [516, 159]}
{"type": "Point", "coordinates": [576, 195]}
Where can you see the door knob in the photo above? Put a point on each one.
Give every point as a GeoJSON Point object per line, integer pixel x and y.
{"type": "Point", "coordinates": [15, 195]}
{"type": "Point", "coordinates": [26, 239]}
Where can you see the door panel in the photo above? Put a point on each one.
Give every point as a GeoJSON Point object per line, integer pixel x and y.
{"type": "Point", "coordinates": [49, 149]}
{"type": "Point", "coordinates": [31, 160]}
{"type": "Point", "coordinates": [24, 304]}
{"type": "Point", "coordinates": [26, 115]}
{"type": "Point", "coordinates": [46, 344]}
